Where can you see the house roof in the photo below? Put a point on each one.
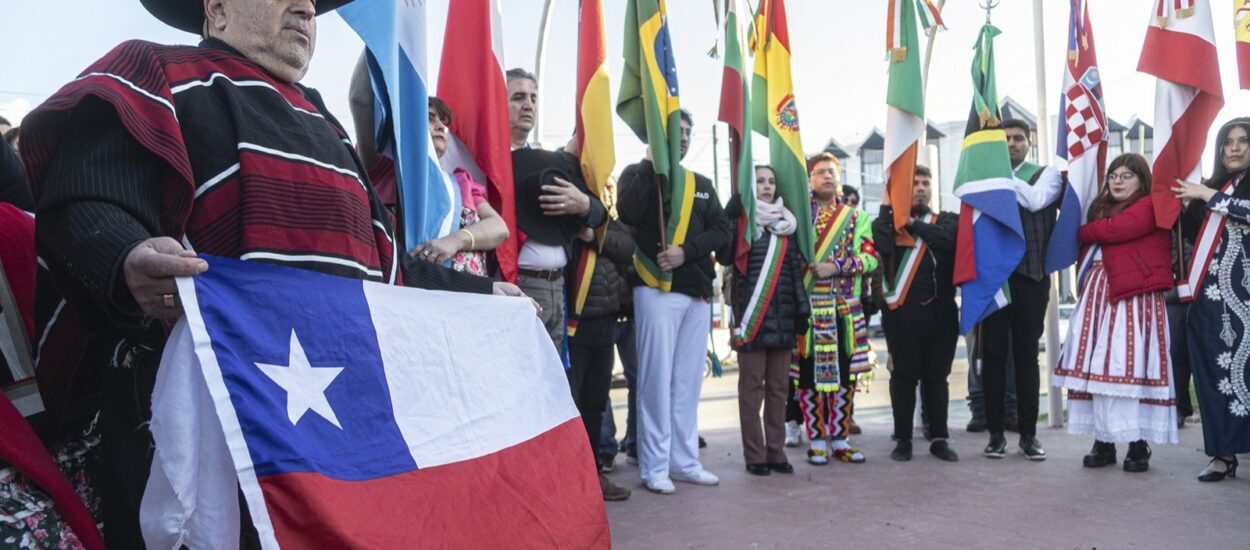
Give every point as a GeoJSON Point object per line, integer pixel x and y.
{"type": "Point", "coordinates": [876, 139]}
{"type": "Point", "coordinates": [1012, 109]}
{"type": "Point", "coordinates": [1136, 127]}
{"type": "Point", "coordinates": [836, 149]}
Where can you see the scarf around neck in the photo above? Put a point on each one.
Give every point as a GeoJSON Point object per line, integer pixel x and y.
{"type": "Point", "coordinates": [775, 218]}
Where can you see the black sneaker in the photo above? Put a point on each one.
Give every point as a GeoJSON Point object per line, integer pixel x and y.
{"type": "Point", "coordinates": [1138, 457]}
{"type": "Point", "coordinates": [1032, 448]}
{"type": "Point", "coordinates": [943, 450]}
{"type": "Point", "coordinates": [702, 443]}
{"type": "Point", "coordinates": [1100, 455]}
{"type": "Point", "coordinates": [902, 451]}
{"type": "Point", "coordinates": [997, 447]}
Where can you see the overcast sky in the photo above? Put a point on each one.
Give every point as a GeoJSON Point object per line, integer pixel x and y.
{"type": "Point", "coordinates": [839, 59]}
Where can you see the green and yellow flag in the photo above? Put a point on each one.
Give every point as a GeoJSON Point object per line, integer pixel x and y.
{"type": "Point", "coordinates": [649, 103]}
{"type": "Point", "coordinates": [774, 114]}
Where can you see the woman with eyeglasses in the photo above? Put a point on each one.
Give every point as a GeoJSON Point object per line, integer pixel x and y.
{"type": "Point", "coordinates": [1115, 361]}
{"type": "Point", "coordinates": [1217, 218]}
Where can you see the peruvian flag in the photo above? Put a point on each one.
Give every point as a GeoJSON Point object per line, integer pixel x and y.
{"type": "Point", "coordinates": [1180, 52]}
{"type": "Point", "coordinates": [471, 82]}
{"type": "Point", "coordinates": [1241, 18]}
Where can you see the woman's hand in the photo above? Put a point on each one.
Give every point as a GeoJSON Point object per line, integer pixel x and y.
{"type": "Point", "coordinates": [1187, 191]}
{"type": "Point", "coordinates": [441, 249]}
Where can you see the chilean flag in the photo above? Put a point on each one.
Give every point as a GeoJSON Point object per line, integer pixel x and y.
{"type": "Point", "coordinates": [472, 84]}
{"type": "Point", "coordinates": [1180, 52]}
{"type": "Point", "coordinates": [1082, 137]}
{"type": "Point", "coordinates": [354, 414]}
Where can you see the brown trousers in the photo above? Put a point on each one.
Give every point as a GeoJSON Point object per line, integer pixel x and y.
{"type": "Point", "coordinates": [763, 377]}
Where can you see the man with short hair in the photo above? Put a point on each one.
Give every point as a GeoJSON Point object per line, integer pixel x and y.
{"type": "Point", "coordinates": [671, 327]}
{"type": "Point", "coordinates": [221, 152]}
{"type": "Point", "coordinates": [835, 355]}
{"type": "Point", "coordinates": [921, 319]}
{"type": "Point", "coordinates": [1017, 328]}
{"type": "Point", "coordinates": [851, 195]}
{"type": "Point", "coordinates": [550, 213]}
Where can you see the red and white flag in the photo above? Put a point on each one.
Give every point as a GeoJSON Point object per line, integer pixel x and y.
{"type": "Point", "coordinates": [1180, 52]}
{"type": "Point", "coordinates": [471, 82]}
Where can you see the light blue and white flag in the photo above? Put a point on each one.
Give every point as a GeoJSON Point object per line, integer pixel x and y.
{"type": "Point", "coordinates": [395, 33]}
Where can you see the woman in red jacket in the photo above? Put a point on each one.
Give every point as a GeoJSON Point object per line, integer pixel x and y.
{"type": "Point", "coordinates": [1115, 361]}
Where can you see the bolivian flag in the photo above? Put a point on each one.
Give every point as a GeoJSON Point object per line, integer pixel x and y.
{"type": "Point", "coordinates": [775, 115]}
{"type": "Point", "coordinates": [649, 103]}
{"type": "Point", "coordinates": [991, 241]}
{"type": "Point", "coordinates": [593, 133]}
{"type": "Point", "coordinates": [1241, 18]}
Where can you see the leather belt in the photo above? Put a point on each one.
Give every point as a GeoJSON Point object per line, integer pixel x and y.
{"type": "Point", "coordinates": [546, 274]}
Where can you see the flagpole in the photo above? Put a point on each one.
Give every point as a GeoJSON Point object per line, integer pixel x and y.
{"type": "Point", "coordinates": [1043, 150]}
{"type": "Point", "coordinates": [543, 27]}
{"type": "Point", "coordinates": [924, 88]}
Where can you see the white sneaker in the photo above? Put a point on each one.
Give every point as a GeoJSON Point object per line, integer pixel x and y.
{"type": "Point", "coordinates": [662, 486]}
{"type": "Point", "coordinates": [701, 477]}
{"type": "Point", "coordinates": [792, 434]}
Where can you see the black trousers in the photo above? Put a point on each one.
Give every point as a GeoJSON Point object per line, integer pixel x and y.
{"type": "Point", "coordinates": [922, 341]}
{"type": "Point", "coordinates": [1181, 372]}
{"type": "Point", "coordinates": [592, 353]}
{"type": "Point", "coordinates": [1020, 325]}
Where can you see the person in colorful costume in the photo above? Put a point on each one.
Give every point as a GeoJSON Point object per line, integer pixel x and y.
{"type": "Point", "coordinates": [1217, 219]}
{"type": "Point", "coordinates": [921, 319]}
{"type": "Point", "coordinates": [833, 358]}
{"type": "Point", "coordinates": [1115, 360]}
{"type": "Point", "coordinates": [157, 153]}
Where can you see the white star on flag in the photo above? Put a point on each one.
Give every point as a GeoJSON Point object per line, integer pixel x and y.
{"type": "Point", "coordinates": [305, 386]}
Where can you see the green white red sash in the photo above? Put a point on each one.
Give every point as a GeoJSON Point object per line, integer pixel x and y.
{"type": "Point", "coordinates": [1204, 249]}
{"type": "Point", "coordinates": [909, 264]}
{"type": "Point", "coordinates": [762, 294]}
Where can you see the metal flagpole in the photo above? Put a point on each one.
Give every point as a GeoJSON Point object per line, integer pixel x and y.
{"type": "Point", "coordinates": [1043, 150]}
{"type": "Point", "coordinates": [923, 153]}
{"type": "Point", "coordinates": [543, 27]}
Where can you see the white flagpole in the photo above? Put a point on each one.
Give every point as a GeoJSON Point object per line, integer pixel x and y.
{"type": "Point", "coordinates": [537, 136]}
{"type": "Point", "coordinates": [1043, 156]}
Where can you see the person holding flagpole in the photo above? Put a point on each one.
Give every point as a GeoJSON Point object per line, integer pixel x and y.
{"type": "Point", "coordinates": [1217, 219]}
{"type": "Point", "coordinates": [835, 352]}
{"type": "Point", "coordinates": [921, 319]}
{"type": "Point", "coordinates": [768, 304]}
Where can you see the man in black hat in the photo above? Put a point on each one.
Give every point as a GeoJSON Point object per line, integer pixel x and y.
{"type": "Point", "coordinates": [158, 152]}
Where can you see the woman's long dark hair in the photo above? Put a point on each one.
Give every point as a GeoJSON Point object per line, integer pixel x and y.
{"type": "Point", "coordinates": [1105, 206]}
{"type": "Point", "coordinates": [1221, 175]}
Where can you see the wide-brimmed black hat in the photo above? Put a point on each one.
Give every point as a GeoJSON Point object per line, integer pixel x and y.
{"type": "Point", "coordinates": [188, 15]}
{"type": "Point", "coordinates": [531, 170]}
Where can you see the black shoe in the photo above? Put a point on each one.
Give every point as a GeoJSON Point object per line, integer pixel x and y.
{"type": "Point", "coordinates": [997, 447]}
{"type": "Point", "coordinates": [1012, 424]}
{"type": "Point", "coordinates": [1230, 470]}
{"type": "Point", "coordinates": [1032, 448]}
{"type": "Point", "coordinates": [781, 467]}
{"type": "Point", "coordinates": [854, 428]}
{"type": "Point", "coordinates": [976, 425]}
{"type": "Point", "coordinates": [758, 469]}
{"type": "Point", "coordinates": [1100, 455]}
{"type": "Point", "coordinates": [943, 450]}
{"type": "Point", "coordinates": [902, 451]}
{"type": "Point", "coordinates": [928, 435]}
{"type": "Point", "coordinates": [702, 443]}
{"type": "Point", "coordinates": [1138, 457]}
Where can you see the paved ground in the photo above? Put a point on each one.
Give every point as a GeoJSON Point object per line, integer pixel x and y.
{"type": "Point", "coordinates": [927, 503]}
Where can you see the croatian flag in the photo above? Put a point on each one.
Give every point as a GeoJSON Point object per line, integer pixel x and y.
{"type": "Point", "coordinates": [1082, 137]}
{"type": "Point", "coordinates": [395, 33]}
{"type": "Point", "coordinates": [354, 414]}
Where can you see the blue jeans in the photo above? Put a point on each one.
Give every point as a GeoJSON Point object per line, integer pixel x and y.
{"type": "Point", "coordinates": [976, 391]}
{"type": "Point", "coordinates": [629, 360]}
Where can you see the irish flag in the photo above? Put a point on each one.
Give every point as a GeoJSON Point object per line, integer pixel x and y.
{"type": "Point", "coordinates": [735, 105]}
{"type": "Point", "coordinates": [991, 240]}
{"type": "Point", "coordinates": [904, 123]}
{"type": "Point", "coordinates": [1180, 52]}
{"type": "Point", "coordinates": [650, 104]}
{"type": "Point", "coordinates": [593, 131]}
{"type": "Point", "coordinates": [775, 115]}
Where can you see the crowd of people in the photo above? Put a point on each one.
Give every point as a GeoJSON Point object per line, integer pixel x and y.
{"type": "Point", "coordinates": [150, 158]}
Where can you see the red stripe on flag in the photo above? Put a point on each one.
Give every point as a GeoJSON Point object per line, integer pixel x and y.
{"type": "Point", "coordinates": [592, 53]}
{"type": "Point", "coordinates": [477, 96]}
{"type": "Point", "coordinates": [965, 248]}
{"type": "Point", "coordinates": [542, 493]}
{"type": "Point", "coordinates": [1243, 64]}
{"type": "Point", "coordinates": [731, 97]}
{"type": "Point", "coordinates": [1182, 58]}
{"type": "Point", "coordinates": [777, 23]}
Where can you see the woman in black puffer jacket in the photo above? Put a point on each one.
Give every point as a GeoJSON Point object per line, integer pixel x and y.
{"type": "Point", "coordinates": [767, 317]}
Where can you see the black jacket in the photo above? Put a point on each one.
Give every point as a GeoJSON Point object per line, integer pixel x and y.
{"type": "Point", "coordinates": [935, 276]}
{"type": "Point", "coordinates": [638, 204]}
{"type": "Point", "coordinates": [604, 297]}
{"type": "Point", "coordinates": [788, 308]}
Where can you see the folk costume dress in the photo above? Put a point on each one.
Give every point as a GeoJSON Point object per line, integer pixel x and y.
{"type": "Point", "coordinates": [833, 356]}
{"type": "Point", "coordinates": [1115, 360]}
{"type": "Point", "coordinates": [1219, 317]}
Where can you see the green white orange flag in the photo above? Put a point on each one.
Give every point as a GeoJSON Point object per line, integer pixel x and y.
{"type": "Point", "coordinates": [593, 135]}
{"type": "Point", "coordinates": [735, 110]}
{"type": "Point", "coordinates": [904, 123]}
{"type": "Point", "coordinates": [775, 115]}
{"type": "Point", "coordinates": [650, 104]}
